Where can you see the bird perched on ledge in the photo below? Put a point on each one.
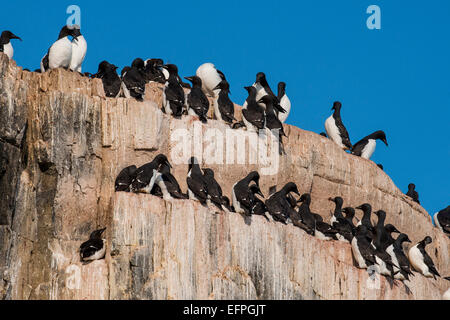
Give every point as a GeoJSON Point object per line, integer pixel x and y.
{"type": "Point", "coordinates": [94, 248]}
{"type": "Point", "coordinates": [336, 130]}
{"type": "Point", "coordinates": [366, 146]}
{"type": "Point", "coordinates": [5, 43]}
{"type": "Point", "coordinates": [413, 193]}
{"type": "Point", "coordinates": [60, 53]}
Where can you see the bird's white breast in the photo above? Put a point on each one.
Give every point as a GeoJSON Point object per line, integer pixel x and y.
{"type": "Point", "coordinates": [236, 204]}
{"type": "Point", "coordinates": [333, 131]}
{"type": "Point", "coordinates": [285, 103]}
{"type": "Point", "coordinates": [79, 48]}
{"type": "Point", "coordinates": [416, 259]}
{"type": "Point", "coordinates": [60, 54]}
{"type": "Point", "coordinates": [216, 109]}
{"type": "Point", "coordinates": [357, 254]}
{"type": "Point", "coordinates": [8, 50]}
{"type": "Point", "coordinates": [369, 149]}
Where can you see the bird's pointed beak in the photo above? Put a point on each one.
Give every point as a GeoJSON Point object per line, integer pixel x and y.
{"type": "Point", "coordinates": [217, 87]}
{"type": "Point", "coordinates": [16, 37]}
{"type": "Point", "coordinates": [260, 193]}
{"type": "Point", "coordinates": [385, 142]}
{"type": "Point", "coordinates": [359, 207]}
{"type": "Point", "coordinates": [168, 163]}
{"type": "Point", "coordinates": [331, 199]}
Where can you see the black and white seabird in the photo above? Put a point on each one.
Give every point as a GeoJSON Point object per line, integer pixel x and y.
{"type": "Point", "coordinates": [367, 211]}
{"type": "Point", "coordinates": [362, 250]}
{"type": "Point", "coordinates": [314, 222]}
{"type": "Point", "coordinates": [166, 186]}
{"type": "Point", "coordinates": [366, 146]}
{"type": "Point", "coordinates": [382, 238]}
{"type": "Point", "coordinates": [421, 261]}
{"type": "Point", "coordinates": [153, 70]}
{"type": "Point", "coordinates": [223, 106]}
{"type": "Point", "coordinates": [133, 80]}
{"type": "Point", "coordinates": [413, 193]}
{"type": "Point", "coordinates": [173, 100]}
{"type": "Point", "coordinates": [94, 248]}
{"type": "Point", "coordinates": [226, 204]}
{"type": "Point", "coordinates": [198, 103]}
{"type": "Point", "coordinates": [242, 196]}
{"type": "Point", "coordinates": [379, 165]}
{"type": "Point", "coordinates": [197, 186]}
{"type": "Point", "coordinates": [110, 79]}
{"type": "Point", "coordinates": [272, 121]}
{"type": "Point", "coordinates": [210, 77]}
{"type": "Point", "coordinates": [5, 43]}
{"type": "Point", "coordinates": [213, 188]}
{"type": "Point", "coordinates": [442, 220]}
{"type": "Point", "coordinates": [402, 266]}
{"type": "Point", "coordinates": [125, 178]}
{"type": "Point", "coordinates": [60, 53]}
{"type": "Point", "coordinates": [79, 49]}
{"type": "Point", "coordinates": [147, 174]}
{"type": "Point", "coordinates": [285, 103]}
{"type": "Point", "coordinates": [278, 205]}
{"type": "Point", "coordinates": [253, 115]}
{"type": "Point", "coordinates": [336, 130]}
{"type": "Point", "coordinates": [337, 209]}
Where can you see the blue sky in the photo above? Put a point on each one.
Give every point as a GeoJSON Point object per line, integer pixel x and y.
{"type": "Point", "coordinates": [395, 79]}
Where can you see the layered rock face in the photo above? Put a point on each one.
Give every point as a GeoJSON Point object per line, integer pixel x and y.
{"type": "Point", "coordinates": [62, 143]}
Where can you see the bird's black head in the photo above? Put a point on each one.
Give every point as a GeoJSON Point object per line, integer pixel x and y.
{"type": "Point", "coordinates": [337, 106]}
{"type": "Point", "coordinates": [208, 172]}
{"type": "Point", "coordinates": [291, 187]}
{"type": "Point", "coordinates": [196, 81]}
{"type": "Point", "coordinates": [269, 101]}
{"type": "Point", "coordinates": [254, 188]}
{"type": "Point", "coordinates": [323, 134]}
{"type": "Point", "coordinates": [391, 229]}
{"type": "Point", "coordinates": [97, 234]}
{"type": "Point", "coordinates": [281, 86]}
{"type": "Point", "coordinates": [349, 212]}
{"type": "Point", "coordinates": [251, 90]}
{"type": "Point", "coordinates": [171, 68]}
{"type": "Point", "coordinates": [155, 63]}
{"type": "Point", "coordinates": [305, 198]}
{"type": "Point", "coordinates": [76, 31]}
{"type": "Point", "coordinates": [380, 214]}
{"type": "Point", "coordinates": [138, 63]}
{"type": "Point", "coordinates": [226, 201]}
{"type": "Point", "coordinates": [253, 176]}
{"type": "Point", "coordinates": [68, 31]}
{"type": "Point", "coordinates": [338, 200]}
{"type": "Point", "coordinates": [161, 159]}
{"type": "Point", "coordinates": [403, 238]}
{"type": "Point", "coordinates": [411, 186]}
{"type": "Point", "coordinates": [8, 35]}
{"type": "Point", "coordinates": [380, 135]}
{"type": "Point", "coordinates": [379, 165]}
{"type": "Point", "coordinates": [261, 78]}
{"type": "Point", "coordinates": [223, 85]}
{"type": "Point", "coordinates": [427, 240]}
{"type": "Point", "coordinates": [365, 207]}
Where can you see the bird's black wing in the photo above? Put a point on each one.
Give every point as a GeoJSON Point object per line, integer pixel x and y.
{"type": "Point", "coordinates": [429, 262]}
{"type": "Point", "coordinates": [198, 187]}
{"type": "Point", "coordinates": [222, 76]}
{"type": "Point", "coordinates": [45, 62]}
{"type": "Point", "coordinates": [255, 118]}
{"type": "Point", "coordinates": [226, 107]}
{"type": "Point", "coordinates": [344, 134]}
{"type": "Point", "coordinates": [135, 82]}
{"type": "Point", "coordinates": [359, 147]}
{"type": "Point", "coordinates": [199, 103]}
{"type": "Point", "coordinates": [91, 246]}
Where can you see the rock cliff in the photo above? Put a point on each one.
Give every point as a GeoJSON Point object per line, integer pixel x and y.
{"type": "Point", "coordinates": [62, 143]}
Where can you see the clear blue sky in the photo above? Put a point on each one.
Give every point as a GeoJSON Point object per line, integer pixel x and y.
{"type": "Point", "coordinates": [395, 79]}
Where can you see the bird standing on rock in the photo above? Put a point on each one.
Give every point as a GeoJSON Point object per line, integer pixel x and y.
{"type": "Point", "coordinates": [198, 103]}
{"type": "Point", "coordinates": [60, 53]}
{"type": "Point", "coordinates": [197, 186]}
{"type": "Point", "coordinates": [215, 195]}
{"type": "Point", "coordinates": [111, 81]}
{"type": "Point", "coordinates": [125, 178]}
{"type": "Point", "coordinates": [133, 80]}
{"type": "Point", "coordinates": [285, 103]}
{"type": "Point", "coordinates": [253, 115]}
{"type": "Point", "coordinates": [336, 130]}
{"type": "Point", "coordinates": [223, 106]}
{"type": "Point", "coordinates": [242, 196]}
{"type": "Point", "coordinates": [421, 261]}
{"type": "Point", "coordinates": [442, 220]}
{"type": "Point", "coordinates": [278, 205]}
{"type": "Point", "coordinates": [94, 248]}
{"type": "Point", "coordinates": [413, 193]}
{"type": "Point", "coordinates": [173, 100]}
{"type": "Point", "coordinates": [366, 146]}
{"type": "Point", "coordinates": [5, 43]}
{"type": "Point", "coordinates": [147, 174]}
